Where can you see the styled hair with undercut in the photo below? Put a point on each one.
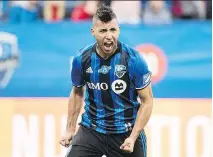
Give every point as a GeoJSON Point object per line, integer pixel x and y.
{"type": "Point", "coordinates": [104, 13]}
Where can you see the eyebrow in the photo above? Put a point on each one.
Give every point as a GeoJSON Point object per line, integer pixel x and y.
{"type": "Point", "coordinates": [104, 29]}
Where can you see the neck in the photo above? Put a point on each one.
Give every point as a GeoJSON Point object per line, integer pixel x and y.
{"type": "Point", "coordinates": [103, 54]}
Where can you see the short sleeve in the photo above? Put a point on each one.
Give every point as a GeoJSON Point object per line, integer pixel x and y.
{"type": "Point", "coordinates": [141, 73]}
{"type": "Point", "coordinates": [76, 72]}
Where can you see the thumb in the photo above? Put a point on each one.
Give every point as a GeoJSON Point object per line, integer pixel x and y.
{"type": "Point", "coordinates": [124, 145]}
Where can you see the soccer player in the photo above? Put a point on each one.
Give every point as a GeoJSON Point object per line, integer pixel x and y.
{"type": "Point", "coordinates": [114, 76]}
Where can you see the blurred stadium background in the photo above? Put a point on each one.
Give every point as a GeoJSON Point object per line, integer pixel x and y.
{"type": "Point", "coordinates": [38, 40]}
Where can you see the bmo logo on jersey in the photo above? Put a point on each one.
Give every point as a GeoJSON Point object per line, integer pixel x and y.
{"type": "Point", "coordinates": [98, 86]}
{"type": "Point", "coordinates": [119, 86]}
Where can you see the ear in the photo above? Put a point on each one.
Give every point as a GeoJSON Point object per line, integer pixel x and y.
{"type": "Point", "coordinates": [92, 31]}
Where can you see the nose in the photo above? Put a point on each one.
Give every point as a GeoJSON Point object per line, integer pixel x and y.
{"type": "Point", "coordinates": [108, 35]}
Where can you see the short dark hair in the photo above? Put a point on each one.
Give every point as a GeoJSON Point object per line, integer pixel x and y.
{"type": "Point", "coordinates": [104, 13]}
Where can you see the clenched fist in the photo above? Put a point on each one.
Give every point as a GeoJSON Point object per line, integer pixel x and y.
{"type": "Point", "coordinates": [128, 145]}
{"type": "Point", "coordinates": [66, 139]}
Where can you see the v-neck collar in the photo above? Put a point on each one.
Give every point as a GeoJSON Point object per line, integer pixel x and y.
{"type": "Point", "coordinates": [116, 51]}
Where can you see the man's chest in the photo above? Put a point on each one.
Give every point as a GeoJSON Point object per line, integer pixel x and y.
{"type": "Point", "coordinates": [106, 76]}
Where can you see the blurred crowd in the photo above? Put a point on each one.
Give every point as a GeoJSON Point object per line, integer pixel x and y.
{"type": "Point", "coordinates": [131, 12]}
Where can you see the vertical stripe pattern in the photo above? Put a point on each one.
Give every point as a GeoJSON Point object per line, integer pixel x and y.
{"type": "Point", "coordinates": [107, 110]}
{"type": "Point", "coordinates": [90, 104]}
{"type": "Point", "coordinates": [95, 78]}
{"type": "Point", "coordinates": [118, 105]}
{"type": "Point", "coordinates": [128, 111]}
{"type": "Point", "coordinates": [107, 98]}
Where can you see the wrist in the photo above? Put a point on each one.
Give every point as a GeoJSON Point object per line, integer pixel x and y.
{"type": "Point", "coordinates": [71, 130]}
{"type": "Point", "coordinates": [134, 135]}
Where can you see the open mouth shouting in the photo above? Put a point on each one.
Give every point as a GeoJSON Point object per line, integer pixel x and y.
{"type": "Point", "coordinates": [108, 46]}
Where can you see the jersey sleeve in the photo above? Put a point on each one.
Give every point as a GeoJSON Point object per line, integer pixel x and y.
{"type": "Point", "coordinates": [141, 73]}
{"type": "Point", "coordinates": [77, 72]}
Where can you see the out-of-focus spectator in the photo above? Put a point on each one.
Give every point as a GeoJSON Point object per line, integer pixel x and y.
{"type": "Point", "coordinates": [193, 9]}
{"type": "Point", "coordinates": [156, 12]}
{"type": "Point", "coordinates": [54, 10]}
{"type": "Point", "coordinates": [22, 11]}
{"type": "Point", "coordinates": [127, 11]}
{"type": "Point", "coordinates": [209, 9]}
{"type": "Point", "coordinates": [84, 11]}
{"type": "Point", "coordinates": [1, 9]}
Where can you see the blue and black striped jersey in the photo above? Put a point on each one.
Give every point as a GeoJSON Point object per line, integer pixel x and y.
{"type": "Point", "coordinates": [111, 102]}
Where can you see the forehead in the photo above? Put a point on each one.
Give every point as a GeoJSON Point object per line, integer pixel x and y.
{"type": "Point", "coordinates": [100, 25]}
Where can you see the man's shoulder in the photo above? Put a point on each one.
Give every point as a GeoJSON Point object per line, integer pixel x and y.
{"type": "Point", "coordinates": [85, 49]}
{"type": "Point", "coordinates": [135, 57]}
{"type": "Point", "coordinates": [132, 52]}
{"type": "Point", "coordinates": [83, 54]}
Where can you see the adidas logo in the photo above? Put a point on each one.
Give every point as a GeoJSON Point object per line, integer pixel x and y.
{"type": "Point", "coordinates": [89, 70]}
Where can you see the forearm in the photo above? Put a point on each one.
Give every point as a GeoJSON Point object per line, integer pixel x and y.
{"type": "Point", "coordinates": [74, 108]}
{"type": "Point", "coordinates": [142, 118]}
